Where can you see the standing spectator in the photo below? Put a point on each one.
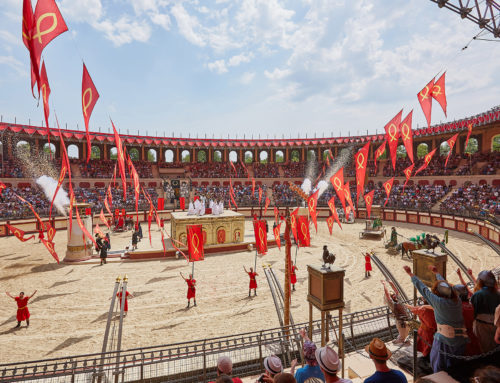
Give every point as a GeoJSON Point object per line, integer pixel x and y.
{"type": "Point", "coordinates": [485, 300]}
{"type": "Point", "coordinates": [380, 355]}
{"type": "Point", "coordinates": [329, 363]}
{"type": "Point", "coordinates": [472, 347]}
{"type": "Point", "coordinates": [311, 369]}
{"type": "Point", "coordinates": [273, 366]}
{"type": "Point", "coordinates": [393, 300]}
{"type": "Point", "coordinates": [427, 327]}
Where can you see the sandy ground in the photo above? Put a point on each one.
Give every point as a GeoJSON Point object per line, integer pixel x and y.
{"type": "Point", "coordinates": [68, 314]}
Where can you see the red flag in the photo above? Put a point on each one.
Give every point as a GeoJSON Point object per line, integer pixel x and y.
{"type": "Point", "coordinates": [360, 160]}
{"type": "Point", "coordinates": [19, 234]}
{"type": "Point", "coordinates": [469, 131]}
{"type": "Point", "coordinates": [276, 215]}
{"type": "Point", "coordinates": [107, 206]}
{"type": "Point", "coordinates": [2, 187]}
{"type": "Point", "coordinates": [337, 181]}
{"type": "Point", "coordinates": [312, 203]}
{"type": "Point", "coordinates": [369, 201]}
{"type": "Point", "coordinates": [98, 230]}
{"type": "Point", "coordinates": [195, 243]}
{"type": "Point", "coordinates": [28, 26]}
{"type": "Point", "coordinates": [50, 247]}
{"type": "Point", "coordinates": [90, 95]}
{"type": "Point", "coordinates": [62, 174]}
{"type": "Point", "coordinates": [425, 99]}
{"type": "Point", "coordinates": [303, 231]}
{"type": "Point", "coordinates": [244, 167]}
{"type": "Point", "coordinates": [150, 217]}
{"type": "Point", "coordinates": [49, 23]}
{"type": "Point", "coordinates": [253, 187]}
{"type": "Point", "coordinates": [330, 221]}
{"type": "Point", "coordinates": [266, 205]}
{"type": "Point", "coordinates": [392, 136]}
{"type": "Point", "coordinates": [407, 135]}
{"type": "Point", "coordinates": [51, 231]}
{"type": "Point", "coordinates": [407, 173]}
{"type": "Point", "coordinates": [439, 92]}
{"type": "Point", "coordinates": [260, 195]}
{"type": "Point", "coordinates": [45, 89]}
{"type": "Point", "coordinates": [114, 175]}
{"type": "Point", "coordinates": [333, 209]}
{"type": "Point", "coordinates": [66, 160]}
{"type": "Point", "coordinates": [276, 232]}
{"type": "Point", "coordinates": [451, 143]}
{"type": "Point", "coordinates": [347, 193]}
{"type": "Point", "coordinates": [293, 222]}
{"type": "Point", "coordinates": [328, 161]}
{"type": "Point", "coordinates": [387, 187]}
{"type": "Point", "coordinates": [259, 228]}
{"type": "Point", "coordinates": [427, 160]}
{"type": "Point", "coordinates": [103, 218]}
{"type": "Point", "coordinates": [121, 160]}
{"type": "Point", "coordinates": [234, 167]}
{"type": "Point", "coordinates": [135, 178]}
{"type": "Point", "coordinates": [380, 150]}
{"type": "Point", "coordinates": [32, 209]}
{"type": "Point", "coordinates": [80, 223]}
{"type": "Point", "coordinates": [234, 202]}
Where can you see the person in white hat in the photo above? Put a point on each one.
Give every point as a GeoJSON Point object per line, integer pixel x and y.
{"type": "Point", "coordinates": [225, 367]}
{"type": "Point", "coordinates": [273, 365]}
{"type": "Point", "coordinates": [328, 361]}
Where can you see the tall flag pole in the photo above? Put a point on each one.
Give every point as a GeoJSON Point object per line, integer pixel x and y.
{"type": "Point", "coordinates": [392, 136]}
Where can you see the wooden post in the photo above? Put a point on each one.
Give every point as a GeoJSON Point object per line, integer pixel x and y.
{"type": "Point", "coordinates": [323, 329]}
{"type": "Point", "coordinates": [288, 261]}
{"type": "Point", "coordinates": [310, 332]}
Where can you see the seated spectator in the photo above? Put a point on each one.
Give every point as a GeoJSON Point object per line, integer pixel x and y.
{"type": "Point", "coordinates": [273, 366]}
{"type": "Point", "coordinates": [225, 369]}
{"type": "Point", "coordinates": [485, 300]}
{"type": "Point", "coordinates": [393, 300]}
{"type": "Point", "coordinates": [224, 379]}
{"type": "Point", "coordinates": [379, 353]}
{"type": "Point", "coordinates": [329, 363]}
{"type": "Point", "coordinates": [488, 374]}
{"type": "Point", "coordinates": [311, 369]}
{"type": "Point", "coordinates": [284, 377]}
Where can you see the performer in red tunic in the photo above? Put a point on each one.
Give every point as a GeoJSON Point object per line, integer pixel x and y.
{"type": "Point", "coordinates": [293, 277]}
{"type": "Point", "coordinates": [22, 308]}
{"type": "Point", "coordinates": [191, 293]}
{"type": "Point", "coordinates": [125, 306]}
{"type": "Point", "coordinates": [427, 329]}
{"type": "Point", "coordinates": [368, 265]}
{"type": "Point", "coordinates": [40, 235]}
{"type": "Point", "coordinates": [253, 281]}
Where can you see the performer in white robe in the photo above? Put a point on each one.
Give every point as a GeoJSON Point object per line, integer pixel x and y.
{"type": "Point", "coordinates": [191, 209]}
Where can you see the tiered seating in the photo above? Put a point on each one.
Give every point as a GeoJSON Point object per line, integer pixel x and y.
{"type": "Point", "coordinates": [474, 200]}
{"type": "Point", "coordinates": [266, 170]}
{"type": "Point", "coordinates": [216, 170]}
{"type": "Point", "coordinates": [105, 168]}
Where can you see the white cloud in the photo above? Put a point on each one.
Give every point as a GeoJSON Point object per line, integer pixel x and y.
{"type": "Point", "coordinates": [15, 64]}
{"type": "Point", "coordinates": [277, 74]}
{"type": "Point", "coordinates": [218, 66]}
{"type": "Point", "coordinates": [87, 11]}
{"type": "Point", "coordinates": [9, 38]}
{"type": "Point", "coordinates": [161, 19]}
{"type": "Point", "coordinates": [187, 25]}
{"type": "Point", "coordinates": [247, 78]}
{"type": "Point", "coordinates": [238, 59]}
{"type": "Point", "coordinates": [124, 30]}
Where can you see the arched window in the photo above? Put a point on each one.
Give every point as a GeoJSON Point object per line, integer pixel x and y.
{"type": "Point", "coordinates": [233, 156]}
{"type": "Point", "coordinates": [495, 143]}
{"type": "Point", "coordinates": [472, 146]}
{"type": "Point", "coordinates": [279, 156]}
{"type": "Point", "coordinates": [74, 152]}
{"type": "Point", "coordinates": [401, 151]}
{"type": "Point", "coordinates": [217, 156]}
{"type": "Point", "coordinates": [311, 155]}
{"type": "Point", "coordinates": [185, 156]}
{"type": "Point", "coordinates": [152, 155]}
{"type": "Point", "coordinates": [113, 153]}
{"type": "Point", "coordinates": [49, 148]}
{"type": "Point", "coordinates": [263, 157]}
{"type": "Point", "coordinates": [169, 155]}
{"type": "Point", "coordinates": [23, 146]}
{"type": "Point", "coordinates": [295, 156]}
{"type": "Point", "coordinates": [248, 157]}
{"type": "Point", "coordinates": [444, 149]}
{"type": "Point", "coordinates": [422, 150]}
{"type": "Point", "coordinates": [201, 156]}
{"type": "Point", "coordinates": [326, 153]}
{"type": "Point", "coordinates": [95, 152]}
{"type": "Point", "coordinates": [134, 154]}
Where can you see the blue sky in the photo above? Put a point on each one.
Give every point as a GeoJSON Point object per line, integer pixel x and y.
{"type": "Point", "coordinates": [254, 67]}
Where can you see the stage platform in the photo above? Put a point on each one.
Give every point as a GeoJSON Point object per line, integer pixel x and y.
{"type": "Point", "coordinates": [226, 228]}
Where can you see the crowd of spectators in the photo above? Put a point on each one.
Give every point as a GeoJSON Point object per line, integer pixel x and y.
{"type": "Point", "coordinates": [171, 165]}
{"type": "Point", "coordinates": [293, 169]}
{"type": "Point", "coordinates": [105, 168]}
{"type": "Point", "coordinates": [9, 169]}
{"type": "Point", "coordinates": [414, 197]}
{"type": "Point", "coordinates": [266, 170]}
{"type": "Point", "coordinates": [474, 200]}
{"type": "Point", "coordinates": [217, 170]}
{"type": "Point", "coordinates": [435, 167]}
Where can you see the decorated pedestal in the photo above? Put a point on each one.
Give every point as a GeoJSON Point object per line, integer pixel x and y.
{"type": "Point", "coordinates": [422, 259]}
{"type": "Point", "coordinates": [228, 227]}
{"type": "Point", "coordinates": [79, 247]}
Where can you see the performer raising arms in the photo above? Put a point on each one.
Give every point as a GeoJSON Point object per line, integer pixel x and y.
{"type": "Point", "coordinates": [253, 281]}
{"type": "Point", "coordinates": [293, 276]}
{"type": "Point", "coordinates": [22, 307]}
{"type": "Point", "coordinates": [191, 289]}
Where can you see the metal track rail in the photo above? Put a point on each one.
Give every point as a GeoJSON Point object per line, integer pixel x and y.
{"type": "Point", "coordinates": [388, 275]}
{"type": "Point", "coordinates": [281, 294]}
{"type": "Point", "coordinates": [457, 261]}
{"type": "Point", "coordinates": [487, 241]}
{"type": "Point", "coordinates": [277, 304]}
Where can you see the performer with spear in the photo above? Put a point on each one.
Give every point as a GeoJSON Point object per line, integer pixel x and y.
{"type": "Point", "coordinates": [253, 281]}
{"type": "Point", "coordinates": [191, 293]}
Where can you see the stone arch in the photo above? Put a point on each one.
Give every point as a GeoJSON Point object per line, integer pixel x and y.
{"type": "Point", "coordinates": [233, 156]}
{"type": "Point", "coordinates": [74, 151]}
{"type": "Point", "coordinates": [326, 153]}
{"type": "Point", "coordinates": [217, 156]}
{"type": "Point", "coordinates": [169, 155]}
{"type": "Point", "coordinates": [152, 155]}
{"type": "Point", "coordinates": [185, 156]}
{"type": "Point", "coordinates": [279, 156]}
{"type": "Point", "coordinates": [134, 154]}
{"type": "Point", "coordinates": [311, 155]}
{"type": "Point", "coordinates": [23, 146]}
{"type": "Point", "coordinates": [295, 156]}
{"type": "Point", "coordinates": [422, 150]}
{"type": "Point", "coordinates": [444, 148]}
{"type": "Point", "coordinates": [201, 156]}
{"type": "Point", "coordinates": [472, 146]}
{"type": "Point", "coordinates": [263, 157]}
{"type": "Point", "coordinates": [248, 155]}
{"type": "Point", "coordinates": [401, 151]}
{"type": "Point", "coordinates": [49, 148]}
{"type": "Point", "coordinates": [95, 152]}
{"type": "Point", "coordinates": [495, 143]}
{"type": "Point", "coordinates": [113, 153]}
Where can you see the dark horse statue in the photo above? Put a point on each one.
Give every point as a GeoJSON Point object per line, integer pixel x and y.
{"type": "Point", "coordinates": [430, 242]}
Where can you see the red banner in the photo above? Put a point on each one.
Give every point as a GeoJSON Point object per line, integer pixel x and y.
{"type": "Point", "coordinates": [276, 215]}
{"type": "Point", "coordinates": [259, 228]}
{"type": "Point", "coordinates": [293, 222]}
{"type": "Point", "coordinates": [260, 195]}
{"type": "Point", "coordinates": [266, 205]}
{"type": "Point", "coordinates": [121, 160]}
{"type": "Point", "coordinates": [276, 232]}
{"type": "Point", "coordinates": [150, 218]}
{"type": "Point", "coordinates": [90, 96]}
{"type": "Point", "coordinates": [32, 209]}
{"type": "Point", "coordinates": [27, 27]}
{"type": "Point", "coordinates": [49, 23]}
{"type": "Point", "coordinates": [407, 173]}
{"type": "Point", "coordinates": [439, 92]}
{"type": "Point", "coordinates": [425, 100]}
{"type": "Point", "coordinates": [103, 218]}
{"type": "Point", "coordinates": [50, 247]}
{"type": "Point", "coordinates": [66, 160]}
{"type": "Point", "coordinates": [98, 230]}
{"type": "Point", "coordinates": [347, 193]}
{"type": "Point", "coordinates": [234, 168]}
{"type": "Point", "coordinates": [312, 203]}
{"type": "Point", "coordinates": [369, 201]}
{"type": "Point", "coordinates": [392, 136]}
{"type": "Point", "coordinates": [182, 203]}
{"type": "Point", "coordinates": [380, 150]}
{"type": "Point", "coordinates": [451, 144]}
{"type": "Point", "coordinates": [469, 131]}
{"type": "Point", "coordinates": [427, 160]}
{"type": "Point", "coordinates": [303, 231]}
{"type": "Point", "coordinates": [45, 90]}
{"type": "Point", "coordinates": [337, 181]}
{"type": "Point", "coordinates": [18, 233]}
{"type": "Point", "coordinates": [388, 187]}
{"type": "Point", "coordinates": [330, 221]}
{"type": "Point", "coordinates": [360, 161]}
{"type": "Point", "coordinates": [333, 209]}
{"type": "Point", "coordinates": [407, 135]}
{"type": "Point", "coordinates": [50, 230]}
{"type": "Point", "coordinates": [195, 243]}
{"type": "Point", "coordinates": [62, 174]}
{"type": "Point", "coordinates": [137, 189]}
{"type": "Point", "coordinates": [253, 187]}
